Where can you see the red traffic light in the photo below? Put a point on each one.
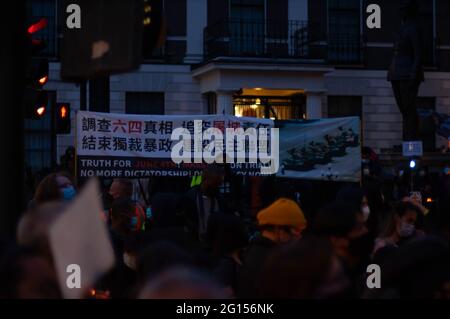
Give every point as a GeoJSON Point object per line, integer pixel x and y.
{"type": "Point", "coordinates": [41, 24]}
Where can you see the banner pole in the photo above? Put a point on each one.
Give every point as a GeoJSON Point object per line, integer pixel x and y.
{"type": "Point", "coordinates": [76, 147]}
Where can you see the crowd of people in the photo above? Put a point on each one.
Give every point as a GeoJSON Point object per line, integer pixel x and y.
{"type": "Point", "coordinates": [196, 244]}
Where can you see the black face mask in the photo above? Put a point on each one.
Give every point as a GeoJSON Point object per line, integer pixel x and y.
{"type": "Point", "coordinates": [361, 246]}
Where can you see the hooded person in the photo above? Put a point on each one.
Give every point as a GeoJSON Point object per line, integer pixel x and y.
{"type": "Point", "coordinates": [280, 223]}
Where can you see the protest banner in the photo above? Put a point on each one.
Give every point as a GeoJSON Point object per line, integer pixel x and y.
{"type": "Point", "coordinates": [325, 149]}
{"type": "Point", "coordinates": [138, 146]}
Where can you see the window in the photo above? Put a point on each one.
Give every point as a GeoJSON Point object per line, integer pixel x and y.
{"type": "Point", "coordinates": [343, 106]}
{"type": "Point", "coordinates": [247, 27]}
{"type": "Point", "coordinates": [344, 41]}
{"type": "Point", "coordinates": [40, 140]}
{"type": "Point", "coordinates": [38, 9]}
{"type": "Point", "coordinates": [144, 103]}
{"type": "Point", "coordinates": [426, 107]}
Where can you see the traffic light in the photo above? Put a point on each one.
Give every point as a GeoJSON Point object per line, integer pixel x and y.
{"type": "Point", "coordinates": [62, 118]}
{"type": "Point", "coordinates": [153, 21]}
{"type": "Point", "coordinates": [36, 102]}
{"type": "Point", "coordinates": [38, 72]}
{"type": "Point", "coordinates": [36, 99]}
{"type": "Point", "coordinates": [109, 41]}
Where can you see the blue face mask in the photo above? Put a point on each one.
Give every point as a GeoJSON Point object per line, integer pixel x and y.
{"type": "Point", "coordinates": [134, 221]}
{"type": "Point", "coordinates": [69, 193]}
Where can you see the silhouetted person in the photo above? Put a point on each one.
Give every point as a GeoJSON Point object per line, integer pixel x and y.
{"type": "Point", "coordinates": [406, 72]}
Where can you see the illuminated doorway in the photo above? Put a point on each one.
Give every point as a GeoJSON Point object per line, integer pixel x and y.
{"type": "Point", "coordinates": [273, 104]}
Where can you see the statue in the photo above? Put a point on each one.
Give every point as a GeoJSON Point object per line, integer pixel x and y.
{"type": "Point", "coordinates": [406, 72]}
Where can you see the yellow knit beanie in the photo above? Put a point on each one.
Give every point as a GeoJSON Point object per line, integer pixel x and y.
{"type": "Point", "coordinates": [283, 212]}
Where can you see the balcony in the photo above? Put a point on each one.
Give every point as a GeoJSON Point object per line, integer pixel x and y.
{"type": "Point", "coordinates": [299, 41]}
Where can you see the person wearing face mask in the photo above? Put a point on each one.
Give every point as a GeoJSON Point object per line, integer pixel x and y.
{"type": "Point", "coordinates": [121, 189]}
{"type": "Point", "coordinates": [355, 196]}
{"type": "Point", "coordinates": [280, 223]}
{"type": "Point", "coordinates": [343, 224]}
{"type": "Point", "coordinates": [359, 198]}
{"type": "Point", "coordinates": [400, 229]}
{"type": "Point", "coordinates": [54, 187]}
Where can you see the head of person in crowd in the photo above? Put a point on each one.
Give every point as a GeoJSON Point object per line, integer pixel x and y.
{"type": "Point", "coordinates": [56, 186]}
{"type": "Point", "coordinates": [281, 222]}
{"type": "Point", "coordinates": [212, 178]}
{"type": "Point", "coordinates": [402, 221]}
{"type": "Point", "coordinates": [182, 283]}
{"type": "Point", "coordinates": [344, 225]}
{"type": "Point", "coordinates": [123, 217]}
{"type": "Point", "coordinates": [121, 188]}
{"type": "Point", "coordinates": [306, 269]}
{"type": "Point", "coordinates": [26, 274]}
{"type": "Point", "coordinates": [227, 235]}
{"type": "Point", "coordinates": [357, 197]}
{"type": "Point", "coordinates": [160, 256]}
{"type": "Point", "coordinates": [419, 270]}
{"type": "Point", "coordinates": [33, 227]}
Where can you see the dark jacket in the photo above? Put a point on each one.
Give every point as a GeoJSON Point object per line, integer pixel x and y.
{"type": "Point", "coordinates": [253, 263]}
{"type": "Point", "coordinates": [226, 272]}
{"type": "Point", "coordinates": [191, 208]}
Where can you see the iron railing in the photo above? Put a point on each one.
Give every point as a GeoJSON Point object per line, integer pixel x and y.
{"type": "Point", "coordinates": [280, 39]}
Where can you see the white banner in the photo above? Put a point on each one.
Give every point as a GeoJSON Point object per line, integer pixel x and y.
{"type": "Point", "coordinates": [124, 145]}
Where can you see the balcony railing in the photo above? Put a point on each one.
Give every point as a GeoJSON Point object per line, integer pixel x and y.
{"type": "Point", "coordinates": [280, 39]}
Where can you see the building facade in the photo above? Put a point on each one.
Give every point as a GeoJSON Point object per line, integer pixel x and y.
{"type": "Point", "coordinates": [283, 59]}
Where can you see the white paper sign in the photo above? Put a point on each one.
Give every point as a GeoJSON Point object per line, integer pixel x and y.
{"type": "Point", "coordinates": [80, 243]}
{"type": "Point", "coordinates": [412, 148]}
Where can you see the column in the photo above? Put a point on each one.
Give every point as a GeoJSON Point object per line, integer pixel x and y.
{"type": "Point", "coordinates": [224, 103]}
{"type": "Point", "coordinates": [313, 105]}
{"type": "Point", "coordinates": [196, 21]}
